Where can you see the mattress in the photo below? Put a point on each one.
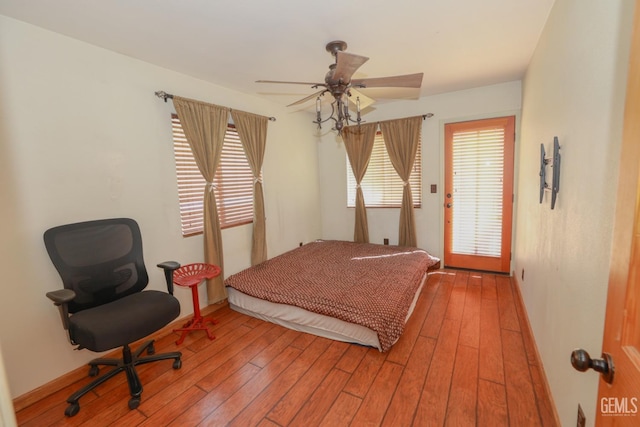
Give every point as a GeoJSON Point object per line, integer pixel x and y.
{"type": "Point", "coordinates": [373, 287]}
{"type": "Point", "coordinates": [302, 320]}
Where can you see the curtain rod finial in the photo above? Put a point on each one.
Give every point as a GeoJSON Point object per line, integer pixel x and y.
{"type": "Point", "coordinates": [164, 95]}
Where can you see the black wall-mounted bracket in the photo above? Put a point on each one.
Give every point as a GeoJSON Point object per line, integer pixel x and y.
{"type": "Point", "coordinates": [555, 165]}
{"type": "Point", "coordinates": [543, 172]}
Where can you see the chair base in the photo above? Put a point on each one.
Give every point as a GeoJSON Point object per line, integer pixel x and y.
{"type": "Point", "coordinates": [126, 364]}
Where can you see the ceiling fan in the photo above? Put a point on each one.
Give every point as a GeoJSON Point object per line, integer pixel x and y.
{"type": "Point", "coordinates": [342, 87]}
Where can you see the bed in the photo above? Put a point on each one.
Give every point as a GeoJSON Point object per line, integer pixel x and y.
{"type": "Point", "coordinates": [354, 292]}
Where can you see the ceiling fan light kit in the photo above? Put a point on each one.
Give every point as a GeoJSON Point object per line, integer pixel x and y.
{"type": "Point", "coordinates": [339, 84]}
{"type": "Point", "coordinates": [339, 113]}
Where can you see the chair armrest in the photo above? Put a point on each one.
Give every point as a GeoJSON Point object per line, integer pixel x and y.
{"type": "Point", "coordinates": [169, 267]}
{"type": "Point", "coordinates": [60, 298]}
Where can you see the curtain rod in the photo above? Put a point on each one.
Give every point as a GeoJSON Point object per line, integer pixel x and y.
{"type": "Point", "coordinates": [424, 117]}
{"type": "Point", "coordinates": [164, 95]}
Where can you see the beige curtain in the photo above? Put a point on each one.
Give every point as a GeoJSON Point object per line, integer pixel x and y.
{"type": "Point", "coordinates": [204, 126]}
{"type": "Point", "coordinates": [253, 134]}
{"type": "Point", "coordinates": [358, 141]}
{"type": "Point", "coordinates": [401, 139]}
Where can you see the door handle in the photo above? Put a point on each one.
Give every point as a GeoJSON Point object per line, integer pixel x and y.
{"type": "Point", "coordinates": [581, 361]}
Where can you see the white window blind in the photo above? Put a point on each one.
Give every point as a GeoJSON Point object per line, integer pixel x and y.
{"type": "Point", "coordinates": [233, 183]}
{"type": "Point", "coordinates": [478, 164]}
{"type": "Point", "coordinates": [381, 185]}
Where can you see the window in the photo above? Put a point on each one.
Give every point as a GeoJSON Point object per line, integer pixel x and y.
{"type": "Point", "coordinates": [477, 178]}
{"type": "Point", "coordinates": [381, 185]}
{"type": "Point", "coordinates": [233, 183]}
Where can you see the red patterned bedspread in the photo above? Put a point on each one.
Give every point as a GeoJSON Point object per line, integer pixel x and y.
{"type": "Point", "coordinates": [371, 285]}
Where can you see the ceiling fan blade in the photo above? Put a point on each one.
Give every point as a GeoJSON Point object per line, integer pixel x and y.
{"type": "Point", "coordinates": [407, 80]}
{"type": "Point", "coordinates": [306, 98]}
{"type": "Point", "coordinates": [346, 65]}
{"type": "Point", "coordinates": [365, 101]}
{"type": "Point", "coordinates": [291, 83]}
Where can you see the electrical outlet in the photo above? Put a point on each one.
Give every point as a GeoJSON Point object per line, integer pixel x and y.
{"type": "Point", "coordinates": [582, 420]}
{"type": "Point", "coordinates": [434, 188]}
{"type": "Point", "coordinates": [386, 241]}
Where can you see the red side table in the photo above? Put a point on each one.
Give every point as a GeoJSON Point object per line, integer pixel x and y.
{"type": "Point", "coordinates": [190, 276]}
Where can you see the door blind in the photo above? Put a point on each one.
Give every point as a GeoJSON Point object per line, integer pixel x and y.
{"type": "Point", "coordinates": [478, 165]}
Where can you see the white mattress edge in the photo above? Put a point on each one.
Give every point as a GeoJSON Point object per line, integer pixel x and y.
{"type": "Point", "coordinates": [302, 320]}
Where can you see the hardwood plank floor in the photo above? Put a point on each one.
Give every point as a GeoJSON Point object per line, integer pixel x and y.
{"type": "Point", "coordinates": [466, 359]}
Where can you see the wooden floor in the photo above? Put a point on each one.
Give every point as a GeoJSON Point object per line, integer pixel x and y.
{"type": "Point", "coordinates": [465, 359]}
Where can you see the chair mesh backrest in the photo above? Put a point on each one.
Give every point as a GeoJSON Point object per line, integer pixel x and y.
{"type": "Point", "coordinates": [100, 260]}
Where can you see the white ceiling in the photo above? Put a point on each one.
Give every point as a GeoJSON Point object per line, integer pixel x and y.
{"type": "Point", "coordinates": [457, 44]}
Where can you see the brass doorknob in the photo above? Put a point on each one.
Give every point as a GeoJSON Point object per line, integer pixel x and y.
{"type": "Point", "coordinates": [581, 361]}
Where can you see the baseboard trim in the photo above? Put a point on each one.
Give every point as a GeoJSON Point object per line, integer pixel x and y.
{"type": "Point", "coordinates": [544, 398]}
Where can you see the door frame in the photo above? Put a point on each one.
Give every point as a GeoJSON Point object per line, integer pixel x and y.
{"type": "Point", "coordinates": [487, 263]}
{"type": "Point", "coordinates": [627, 373]}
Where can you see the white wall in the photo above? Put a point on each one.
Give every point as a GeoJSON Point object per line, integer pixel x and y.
{"type": "Point", "coordinates": [83, 137]}
{"type": "Point", "coordinates": [574, 89]}
{"type": "Point", "coordinates": [338, 220]}
{"type": "Point", "coordinates": [7, 412]}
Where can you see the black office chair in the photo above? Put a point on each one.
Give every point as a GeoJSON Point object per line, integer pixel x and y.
{"type": "Point", "coordinates": [102, 306]}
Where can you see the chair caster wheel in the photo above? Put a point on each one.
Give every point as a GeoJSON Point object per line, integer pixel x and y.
{"type": "Point", "coordinates": [72, 409]}
{"type": "Point", "coordinates": [134, 402]}
{"type": "Point", "coordinates": [177, 364]}
{"type": "Point", "coordinates": [93, 371]}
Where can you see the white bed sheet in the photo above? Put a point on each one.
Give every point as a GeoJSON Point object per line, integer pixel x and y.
{"type": "Point", "coordinates": [299, 319]}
